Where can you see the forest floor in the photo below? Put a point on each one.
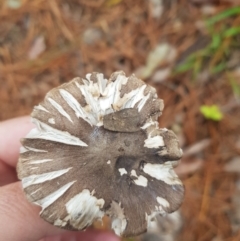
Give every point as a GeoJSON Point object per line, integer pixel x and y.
{"type": "Point", "coordinates": [188, 49]}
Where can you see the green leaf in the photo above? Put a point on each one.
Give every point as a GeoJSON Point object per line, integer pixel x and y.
{"type": "Point", "coordinates": [216, 41]}
{"type": "Point", "coordinates": [235, 86]}
{"type": "Point", "coordinates": [225, 14]}
{"type": "Point", "coordinates": [111, 3]}
{"type": "Point", "coordinates": [218, 68]}
{"type": "Point", "coordinates": [211, 112]}
{"type": "Point", "coordinates": [232, 32]}
{"type": "Point", "coordinates": [184, 67]}
{"type": "Point", "coordinates": [219, 40]}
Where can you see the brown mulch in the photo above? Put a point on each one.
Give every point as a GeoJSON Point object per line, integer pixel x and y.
{"type": "Point", "coordinates": [46, 43]}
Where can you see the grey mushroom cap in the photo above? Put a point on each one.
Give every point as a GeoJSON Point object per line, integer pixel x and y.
{"type": "Point", "coordinates": [97, 150]}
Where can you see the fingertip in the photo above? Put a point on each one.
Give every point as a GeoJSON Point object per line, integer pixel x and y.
{"type": "Point", "coordinates": [7, 174]}
{"type": "Point", "coordinates": [106, 236]}
{"type": "Point", "coordinates": [11, 131]}
{"type": "Point", "coordinates": [19, 218]}
{"type": "Point", "coordinates": [88, 235]}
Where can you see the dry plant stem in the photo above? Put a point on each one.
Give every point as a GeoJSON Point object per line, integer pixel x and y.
{"type": "Point", "coordinates": [225, 45]}
{"type": "Point", "coordinates": [56, 11]}
{"type": "Point", "coordinates": [209, 176]}
{"type": "Point", "coordinates": [218, 56]}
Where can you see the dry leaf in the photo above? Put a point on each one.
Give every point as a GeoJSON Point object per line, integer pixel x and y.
{"type": "Point", "coordinates": [37, 48]}
{"type": "Point", "coordinates": [233, 165]}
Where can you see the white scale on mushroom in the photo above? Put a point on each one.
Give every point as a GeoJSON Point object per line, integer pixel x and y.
{"type": "Point", "coordinates": [97, 150]}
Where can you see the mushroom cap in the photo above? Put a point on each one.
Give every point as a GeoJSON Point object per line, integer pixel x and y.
{"type": "Point", "coordinates": [97, 150]}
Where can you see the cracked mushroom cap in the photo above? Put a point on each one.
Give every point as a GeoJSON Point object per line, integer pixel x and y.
{"type": "Point", "coordinates": [97, 150]}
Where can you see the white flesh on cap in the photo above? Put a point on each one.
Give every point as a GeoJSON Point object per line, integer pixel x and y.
{"type": "Point", "coordinates": [83, 209]}
{"type": "Point", "coordinates": [163, 202]}
{"type": "Point", "coordinates": [26, 149]}
{"type": "Point", "coordinates": [154, 142]}
{"type": "Point", "coordinates": [141, 180]}
{"type": "Point", "coordinates": [40, 161]}
{"type": "Point", "coordinates": [40, 107]}
{"type": "Point", "coordinates": [51, 198]}
{"type": "Point", "coordinates": [51, 121]}
{"type": "Point", "coordinates": [119, 221]}
{"type": "Point", "coordinates": [36, 179]}
{"type": "Point", "coordinates": [122, 171]}
{"type": "Point", "coordinates": [60, 109]}
{"type": "Point", "coordinates": [163, 172]}
{"type": "Point", "coordinates": [104, 98]}
{"type": "Point", "coordinates": [46, 132]}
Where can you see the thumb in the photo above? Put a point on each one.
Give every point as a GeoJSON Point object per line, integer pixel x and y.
{"type": "Point", "coordinates": [19, 219]}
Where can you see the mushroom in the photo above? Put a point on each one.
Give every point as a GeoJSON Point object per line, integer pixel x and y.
{"type": "Point", "coordinates": [97, 150]}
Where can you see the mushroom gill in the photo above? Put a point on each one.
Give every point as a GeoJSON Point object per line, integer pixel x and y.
{"type": "Point", "coordinates": [97, 150]}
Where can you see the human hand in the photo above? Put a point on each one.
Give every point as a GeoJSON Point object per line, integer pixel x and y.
{"type": "Point", "coordinates": [19, 219]}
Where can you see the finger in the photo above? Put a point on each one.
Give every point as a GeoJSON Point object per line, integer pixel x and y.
{"type": "Point", "coordinates": [7, 174]}
{"type": "Point", "coordinates": [88, 235]}
{"type": "Point", "coordinates": [19, 218]}
{"type": "Point", "coordinates": [11, 131]}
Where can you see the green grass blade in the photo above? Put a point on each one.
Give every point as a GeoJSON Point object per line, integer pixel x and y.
{"type": "Point", "coordinates": [228, 13]}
